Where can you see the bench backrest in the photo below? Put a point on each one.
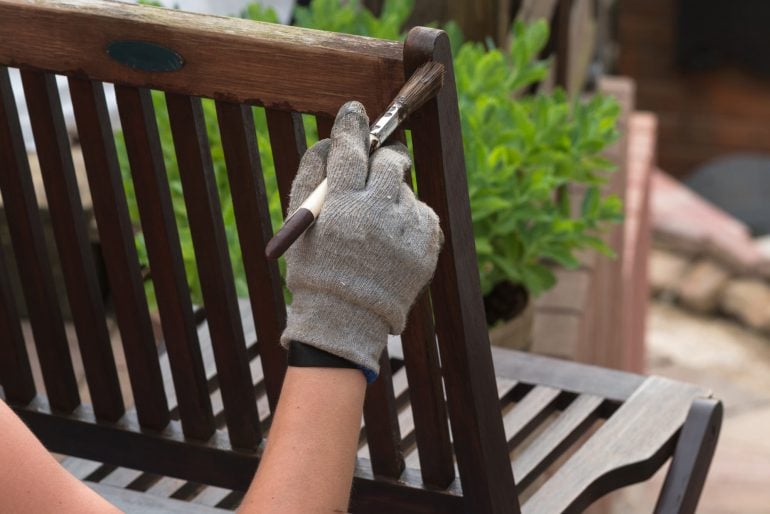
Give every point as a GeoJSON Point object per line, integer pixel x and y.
{"type": "Point", "coordinates": [239, 64]}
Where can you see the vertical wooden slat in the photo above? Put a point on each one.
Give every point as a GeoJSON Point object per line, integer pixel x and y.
{"type": "Point", "coordinates": [247, 187]}
{"type": "Point", "coordinates": [140, 131]}
{"type": "Point", "coordinates": [69, 229]}
{"type": "Point", "coordinates": [288, 142]}
{"type": "Point", "coordinates": [381, 418]}
{"type": "Point", "coordinates": [426, 393]}
{"type": "Point", "coordinates": [466, 358]}
{"type": "Point", "coordinates": [560, 30]}
{"type": "Point", "coordinates": [32, 257]}
{"type": "Point", "coordinates": [15, 372]}
{"type": "Point", "coordinates": [119, 251]}
{"type": "Point", "coordinates": [324, 124]}
{"type": "Point", "coordinates": [204, 212]}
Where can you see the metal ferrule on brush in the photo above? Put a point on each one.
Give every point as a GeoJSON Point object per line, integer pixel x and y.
{"type": "Point", "coordinates": [386, 125]}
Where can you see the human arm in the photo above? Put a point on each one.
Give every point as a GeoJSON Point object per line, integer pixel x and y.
{"type": "Point", "coordinates": [309, 460]}
{"type": "Point", "coordinates": [31, 480]}
{"type": "Point", "coordinates": [353, 276]}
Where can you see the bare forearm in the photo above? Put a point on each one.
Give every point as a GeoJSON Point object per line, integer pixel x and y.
{"type": "Point", "coordinates": [310, 456]}
{"type": "Point", "coordinates": [32, 481]}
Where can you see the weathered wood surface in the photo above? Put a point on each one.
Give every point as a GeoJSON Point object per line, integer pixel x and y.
{"type": "Point", "coordinates": [559, 435]}
{"type": "Point", "coordinates": [226, 59]}
{"type": "Point", "coordinates": [290, 71]}
{"type": "Point", "coordinates": [132, 502]}
{"type": "Point", "coordinates": [633, 443]}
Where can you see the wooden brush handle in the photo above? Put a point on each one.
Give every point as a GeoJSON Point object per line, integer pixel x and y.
{"type": "Point", "coordinates": [299, 221]}
{"type": "Point", "coordinates": [305, 215]}
{"type": "Point", "coordinates": [421, 86]}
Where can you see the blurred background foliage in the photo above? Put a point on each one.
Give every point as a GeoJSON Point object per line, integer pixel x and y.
{"type": "Point", "coordinates": [526, 154]}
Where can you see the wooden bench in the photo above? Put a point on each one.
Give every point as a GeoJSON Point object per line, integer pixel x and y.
{"type": "Point", "coordinates": [451, 425]}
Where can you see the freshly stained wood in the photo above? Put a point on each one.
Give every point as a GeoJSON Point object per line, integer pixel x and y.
{"type": "Point", "coordinates": [204, 213]}
{"type": "Point", "coordinates": [528, 413]}
{"type": "Point", "coordinates": [634, 440]}
{"type": "Point", "coordinates": [427, 393]}
{"type": "Point", "coordinates": [247, 187]}
{"type": "Point", "coordinates": [324, 124]}
{"type": "Point", "coordinates": [479, 439]}
{"type": "Point", "coordinates": [224, 58]}
{"type": "Point", "coordinates": [562, 432]}
{"type": "Point", "coordinates": [32, 259]}
{"type": "Point", "coordinates": [381, 418]}
{"type": "Point", "coordinates": [119, 251]}
{"type": "Point", "coordinates": [288, 143]}
{"type": "Point", "coordinates": [291, 71]}
{"type": "Point", "coordinates": [74, 250]}
{"type": "Point", "coordinates": [168, 275]}
{"type": "Point", "coordinates": [15, 372]}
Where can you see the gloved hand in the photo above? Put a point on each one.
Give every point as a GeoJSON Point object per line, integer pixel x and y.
{"type": "Point", "coordinates": [355, 273]}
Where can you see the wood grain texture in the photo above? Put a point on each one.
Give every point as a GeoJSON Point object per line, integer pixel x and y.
{"type": "Point", "coordinates": [214, 462]}
{"type": "Point", "coordinates": [204, 213]}
{"type": "Point", "coordinates": [15, 372]}
{"type": "Point", "coordinates": [692, 458]}
{"type": "Point", "coordinates": [528, 413]}
{"type": "Point", "coordinates": [247, 187]}
{"type": "Point", "coordinates": [69, 229]}
{"type": "Point", "coordinates": [288, 143]}
{"type": "Point", "coordinates": [381, 419]}
{"type": "Point", "coordinates": [556, 437]}
{"type": "Point", "coordinates": [479, 439]}
{"type": "Point", "coordinates": [132, 501]}
{"type": "Point", "coordinates": [426, 393]}
{"type": "Point", "coordinates": [224, 58]}
{"type": "Point", "coordinates": [26, 231]}
{"type": "Point", "coordinates": [119, 252]}
{"type": "Point", "coordinates": [628, 448]}
{"type": "Point", "coordinates": [616, 386]}
{"type": "Point", "coordinates": [148, 170]}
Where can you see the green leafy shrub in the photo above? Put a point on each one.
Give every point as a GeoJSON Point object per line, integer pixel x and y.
{"type": "Point", "coordinates": [519, 151]}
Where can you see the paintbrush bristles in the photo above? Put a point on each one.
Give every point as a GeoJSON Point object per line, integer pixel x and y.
{"type": "Point", "coordinates": [421, 86]}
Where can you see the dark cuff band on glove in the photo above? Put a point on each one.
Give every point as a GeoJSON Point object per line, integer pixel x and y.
{"type": "Point", "coordinates": [303, 355]}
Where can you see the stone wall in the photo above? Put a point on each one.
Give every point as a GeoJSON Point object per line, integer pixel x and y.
{"type": "Point", "coordinates": [706, 260]}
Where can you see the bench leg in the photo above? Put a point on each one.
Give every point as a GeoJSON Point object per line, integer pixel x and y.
{"type": "Point", "coordinates": [692, 458]}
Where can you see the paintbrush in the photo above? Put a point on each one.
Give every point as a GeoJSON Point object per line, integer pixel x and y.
{"type": "Point", "coordinates": [423, 85]}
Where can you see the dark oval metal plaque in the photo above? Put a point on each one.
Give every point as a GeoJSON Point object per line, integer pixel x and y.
{"type": "Point", "coordinates": [145, 56]}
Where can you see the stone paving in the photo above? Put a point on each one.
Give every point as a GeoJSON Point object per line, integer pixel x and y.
{"type": "Point", "coordinates": [735, 364]}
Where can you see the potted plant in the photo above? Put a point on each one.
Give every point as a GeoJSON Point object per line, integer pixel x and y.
{"type": "Point", "coordinates": [520, 151]}
{"type": "Point", "coordinates": [522, 154]}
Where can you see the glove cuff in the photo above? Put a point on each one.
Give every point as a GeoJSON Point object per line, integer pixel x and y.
{"type": "Point", "coordinates": [338, 327]}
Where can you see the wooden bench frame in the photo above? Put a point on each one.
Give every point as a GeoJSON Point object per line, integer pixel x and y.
{"type": "Point", "coordinates": [453, 375]}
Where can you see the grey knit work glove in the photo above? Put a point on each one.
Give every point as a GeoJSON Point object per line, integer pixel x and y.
{"type": "Point", "coordinates": [355, 273]}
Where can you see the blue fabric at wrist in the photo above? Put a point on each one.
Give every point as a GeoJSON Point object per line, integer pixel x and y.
{"type": "Point", "coordinates": [370, 374]}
